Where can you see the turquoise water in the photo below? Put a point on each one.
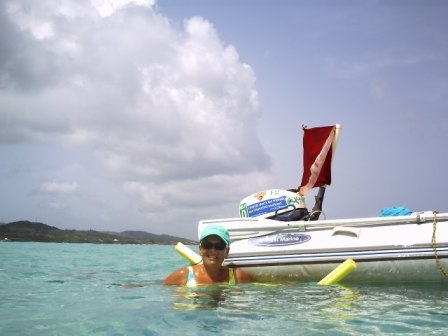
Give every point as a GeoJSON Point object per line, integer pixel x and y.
{"type": "Point", "coordinates": [84, 289]}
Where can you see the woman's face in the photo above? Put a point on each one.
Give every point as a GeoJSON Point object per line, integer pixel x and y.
{"type": "Point", "coordinates": [213, 250]}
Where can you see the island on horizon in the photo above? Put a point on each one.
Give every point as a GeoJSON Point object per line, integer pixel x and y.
{"type": "Point", "coordinates": [26, 231]}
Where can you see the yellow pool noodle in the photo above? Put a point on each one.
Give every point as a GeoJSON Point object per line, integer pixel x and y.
{"type": "Point", "coordinates": [188, 254]}
{"type": "Point", "coordinates": [339, 273]}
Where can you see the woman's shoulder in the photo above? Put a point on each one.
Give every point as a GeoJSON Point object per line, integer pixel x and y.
{"type": "Point", "coordinates": [178, 277]}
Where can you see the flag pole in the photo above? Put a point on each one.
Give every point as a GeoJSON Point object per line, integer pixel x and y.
{"type": "Point", "coordinates": [337, 130]}
{"type": "Point", "coordinates": [318, 201]}
{"type": "Point", "coordinates": [319, 198]}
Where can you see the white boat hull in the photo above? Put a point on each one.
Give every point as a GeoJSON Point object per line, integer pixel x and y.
{"type": "Point", "coordinates": [385, 249]}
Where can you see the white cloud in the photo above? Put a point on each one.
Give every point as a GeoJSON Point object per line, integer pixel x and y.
{"type": "Point", "coordinates": [56, 205]}
{"type": "Point", "coordinates": [58, 187]}
{"type": "Point", "coordinates": [162, 108]}
{"type": "Point", "coordinates": [108, 7]}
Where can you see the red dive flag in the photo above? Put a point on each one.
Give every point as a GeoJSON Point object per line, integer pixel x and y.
{"type": "Point", "coordinates": [317, 154]}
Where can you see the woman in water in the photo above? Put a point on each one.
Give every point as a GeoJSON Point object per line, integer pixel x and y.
{"type": "Point", "coordinates": [213, 248]}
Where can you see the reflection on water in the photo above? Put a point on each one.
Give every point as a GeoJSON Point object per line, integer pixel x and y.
{"type": "Point", "coordinates": [252, 309]}
{"type": "Point", "coordinates": [337, 302]}
{"type": "Point", "coordinates": [314, 309]}
{"type": "Point", "coordinates": [201, 298]}
{"type": "Point", "coordinates": [342, 306]}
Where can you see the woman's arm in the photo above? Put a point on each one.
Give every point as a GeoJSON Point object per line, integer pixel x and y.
{"type": "Point", "coordinates": [241, 276]}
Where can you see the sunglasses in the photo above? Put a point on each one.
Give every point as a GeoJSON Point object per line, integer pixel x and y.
{"type": "Point", "coordinates": [218, 246]}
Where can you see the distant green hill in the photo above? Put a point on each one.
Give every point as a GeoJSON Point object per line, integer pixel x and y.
{"type": "Point", "coordinates": [39, 232]}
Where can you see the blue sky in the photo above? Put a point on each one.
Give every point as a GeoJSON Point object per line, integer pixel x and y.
{"type": "Point", "coordinates": [151, 115]}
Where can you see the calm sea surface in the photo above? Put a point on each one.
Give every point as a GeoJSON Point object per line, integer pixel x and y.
{"type": "Point", "coordinates": [82, 289]}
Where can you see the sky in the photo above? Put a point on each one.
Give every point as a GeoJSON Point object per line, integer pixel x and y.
{"type": "Point", "coordinates": [152, 115]}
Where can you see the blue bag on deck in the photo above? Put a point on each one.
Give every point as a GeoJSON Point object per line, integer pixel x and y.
{"type": "Point", "coordinates": [395, 211]}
